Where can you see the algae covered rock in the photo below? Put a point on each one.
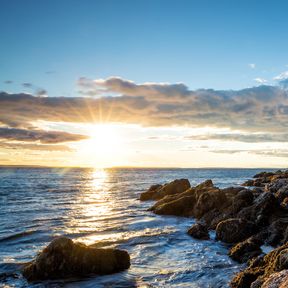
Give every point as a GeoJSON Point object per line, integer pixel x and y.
{"type": "Point", "coordinates": [63, 258]}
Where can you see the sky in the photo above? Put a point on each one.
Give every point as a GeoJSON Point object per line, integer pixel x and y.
{"type": "Point", "coordinates": [149, 83]}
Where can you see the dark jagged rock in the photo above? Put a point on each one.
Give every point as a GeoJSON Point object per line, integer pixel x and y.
{"type": "Point", "coordinates": [260, 269]}
{"type": "Point", "coordinates": [263, 206]}
{"type": "Point", "coordinates": [234, 230]}
{"type": "Point", "coordinates": [157, 192]}
{"type": "Point", "coordinates": [276, 231]}
{"type": "Point", "coordinates": [246, 250]}
{"type": "Point", "coordinates": [63, 258]}
{"type": "Point", "coordinates": [199, 231]}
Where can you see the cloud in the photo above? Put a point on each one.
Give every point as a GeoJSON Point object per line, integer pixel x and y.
{"type": "Point", "coordinates": [44, 137]}
{"type": "Point", "coordinates": [27, 85]}
{"type": "Point", "coordinates": [252, 65]}
{"type": "Point", "coordinates": [282, 79]}
{"type": "Point", "coordinates": [260, 80]}
{"type": "Point", "coordinates": [268, 152]}
{"type": "Point", "coordinates": [38, 147]}
{"type": "Point", "coordinates": [8, 82]}
{"type": "Point", "coordinates": [257, 109]}
{"type": "Point", "coordinates": [282, 76]}
{"type": "Point", "coordinates": [242, 137]}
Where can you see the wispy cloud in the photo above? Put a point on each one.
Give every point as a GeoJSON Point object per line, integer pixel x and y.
{"type": "Point", "coordinates": [243, 137]}
{"type": "Point", "coordinates": [37, 147]}
{"type": "Point", "coordinates": [46, 137]}
{"type": "Point", "coordinates": [252, 65]}
{"type": "Point", "coordinates": [261, 80]}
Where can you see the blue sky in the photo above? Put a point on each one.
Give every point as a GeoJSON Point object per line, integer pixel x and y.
{"type": "Point", "coordinates": [204, 44]}
{"type": "Point", "coordinates": [136, 76]}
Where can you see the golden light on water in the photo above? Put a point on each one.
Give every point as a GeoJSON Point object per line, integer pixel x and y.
{"type": "Point", "coordinates": [92, 203]}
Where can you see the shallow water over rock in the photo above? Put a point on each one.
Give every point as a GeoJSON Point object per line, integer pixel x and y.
{"type": "Point", "coordinates": [102, 207]}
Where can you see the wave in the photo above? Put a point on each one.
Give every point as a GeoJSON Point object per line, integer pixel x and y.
{"type": "Point", "coordinates": [18, 235]}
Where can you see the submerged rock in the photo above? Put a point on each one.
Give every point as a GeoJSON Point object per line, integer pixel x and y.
{"type": "Point", "coordinates": [199, 231]}
{"type": "Point", "coordinates": [63, 258]}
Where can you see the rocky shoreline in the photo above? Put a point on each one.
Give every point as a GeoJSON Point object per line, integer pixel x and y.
{"type": "Point", "coordinates": [246, 218]}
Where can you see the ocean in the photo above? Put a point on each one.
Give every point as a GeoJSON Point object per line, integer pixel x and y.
{"type": "Point", "coordinates": [102, 206]}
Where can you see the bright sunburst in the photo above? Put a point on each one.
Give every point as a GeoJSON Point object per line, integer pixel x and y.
{"type": "Point", "coordinates": [104, 138]}
{"type": "Point", "coordinates": [104, 146]}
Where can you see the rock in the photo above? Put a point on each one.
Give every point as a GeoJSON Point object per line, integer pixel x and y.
{"type": "Point", "coordinates": [187, 203]}
{"type": "Point", "coordinates": [276, 231]}
{"type": "Point", "coordinates": [246, 250]}
{"type": "Point", "coordinates": [63, 258]}
{"type": "Point", "coordinates": [259, 182]}
{"type": "Point", "coordinates": [209, 200]}
{"type": "Point", "coordinates": [276, 185]}
{"type": "Point", "coordinates": [199, 231]}
{"type": "Point", "coordinates": [234, 230]}
{"type": "Point", "coordinates": [264, 174]}
{"type": "Point", "coordinates": [156, 192]}
{"type": "Point", "coordinates": [150, 193]}
{"type": "Point", "coordinates": [282, 193]}
{"type": "Point", "coordinates": [181, 206]}
{"type": "Point", "coordinates": [263, 206]}
{"type": "Point", "coordinates": [277, 280]}
{"type": "Point", "coordinates": [284, 203]}
{"type": "Point", "coordinates": [260, 269]}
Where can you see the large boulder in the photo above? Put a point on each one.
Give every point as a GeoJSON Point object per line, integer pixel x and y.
{"type": "Point", "coordinates": [63, 258]}
{"type": "Point", "coordinates": [234, 230]}
{"type": "Point", "coordinates": [157, 192]}
{"type": "Point", "coordinates": [199, 231]}
{"type": "Point", "coordinates": [185, 203]}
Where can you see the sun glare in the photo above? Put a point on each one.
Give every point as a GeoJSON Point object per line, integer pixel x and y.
{"type": "Point", "coordinates": [103, 138]}
{"type": "Point", "coordinates": [104, 146]}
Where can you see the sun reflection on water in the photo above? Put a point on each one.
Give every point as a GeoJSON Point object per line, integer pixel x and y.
{"type": "Point", "coordinates": [98, 178]}
{"type": "Point", "coordinates": [93, 206]}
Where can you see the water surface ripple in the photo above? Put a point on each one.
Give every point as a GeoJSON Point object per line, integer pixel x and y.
{"type": "Point", "coordinates": [102, 207]}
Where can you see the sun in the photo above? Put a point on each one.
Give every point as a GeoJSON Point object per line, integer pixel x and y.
{"type": "Point", "coordinates": [104, 147]}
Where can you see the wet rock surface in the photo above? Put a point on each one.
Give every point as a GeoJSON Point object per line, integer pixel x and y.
{"type": "Point", "coordinates": [63, 258]}
{"type": "Point", "coordinates": [198, 231]}
{"type": "Point", "coordinates": [245, 217]}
